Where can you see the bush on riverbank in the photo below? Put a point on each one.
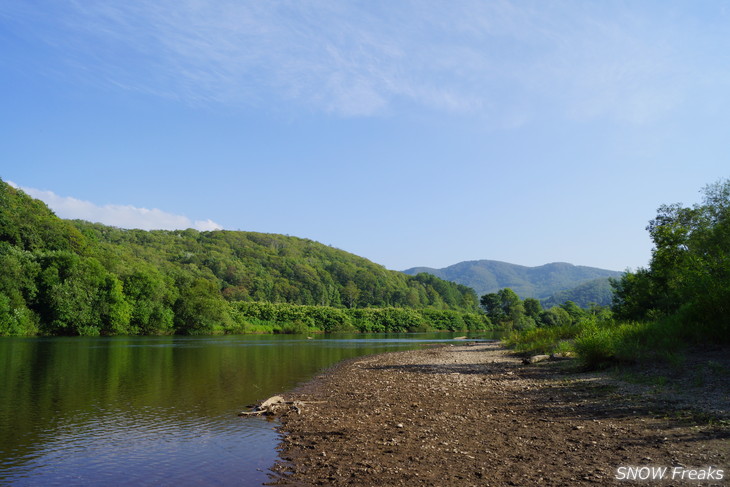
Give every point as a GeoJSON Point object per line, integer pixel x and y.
{"type": "Point", "coordinates": [542, 340]}
{"type": "Point", "coordinates": [682, 298]}
{"type": "Point", "coordinates": [602, 343]}
{"type": "Point", "coordinates": [292, 318]}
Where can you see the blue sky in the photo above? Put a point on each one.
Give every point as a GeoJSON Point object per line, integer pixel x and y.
{"type": "Point", "coordinates": [411, 133]}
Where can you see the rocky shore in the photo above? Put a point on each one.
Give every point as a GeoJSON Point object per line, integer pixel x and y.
{"type": "Point", "coordinates": [474, 414]}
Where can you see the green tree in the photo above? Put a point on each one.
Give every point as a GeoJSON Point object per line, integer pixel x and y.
{"type": "Point", "coordinates": [350, 294]}
{"type": "Point", "coordinates": [492, 305]}
{"type": "Point", "coordinates": [16, 320]}
{"type": "Point", "coordinates": [151, 299]}
{"type": "Point", "coordinates": [506, 308]}
{"type": "Point", "coordinates": [634, 297]}
{"type": "Point", "coordinates": [689, 272]}
{"type": "Point", "coordinates": [555, 316]}
{"type": "Point", "coordinates": [511, 305]}
{"type": "Point", "coordinates": [200, 309]}
{"type": "Point", "coordinates": [77, 296]}
{"type": "Point", "coordinates": [113, 308]}
{"type": "Point", "coordinates": [533, 308]}
{"type": "Point", "coordinates": [576, 312]}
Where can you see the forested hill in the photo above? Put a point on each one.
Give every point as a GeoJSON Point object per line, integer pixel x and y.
{"type": "Point", "coordinates": [596, 291]}
{"type": "Point", "coordinates": [488, 276]}
{"type": "Point", "coordinates": [60, 276]}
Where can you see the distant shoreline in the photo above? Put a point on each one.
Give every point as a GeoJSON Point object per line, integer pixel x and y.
{"type": "Point", "coordinates": [473, 414]}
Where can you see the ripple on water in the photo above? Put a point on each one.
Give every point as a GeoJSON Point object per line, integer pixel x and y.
{"type": "Point", "coordinates": [118, 448]}
{"type": "Point", "coordinates": [154, 410]}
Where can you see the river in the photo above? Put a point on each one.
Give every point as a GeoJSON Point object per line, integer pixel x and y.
{"type": "Point", "coordinates": [156, 410]}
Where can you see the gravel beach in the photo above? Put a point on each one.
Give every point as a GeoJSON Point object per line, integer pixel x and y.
{"type": "Point", "coordinates": [473, 414]}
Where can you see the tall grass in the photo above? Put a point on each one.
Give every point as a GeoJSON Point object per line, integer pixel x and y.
{"type": "Point", "coordinates": [542, 340]}
{"type": "Point", "coordinates": [607, 343]}
{"type": "Point", "coordinates": [629, 342]}
{"type": "Point", "coordinates": [602, 343]}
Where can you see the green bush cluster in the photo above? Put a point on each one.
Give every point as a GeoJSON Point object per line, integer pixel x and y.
{"type": "Point", "coordinates": [544, 340]}
{"type": "Point", "coordinates": [292, 318]}
{"type": "Point", "coordinates": [509, 312]}
{"type": "Point", "coordinates": [609, 343]}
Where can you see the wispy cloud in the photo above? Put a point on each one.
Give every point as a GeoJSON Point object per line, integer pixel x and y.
{"type": "Point", "coordinates": [502, 60]}
{"type": "Point", "coordinates": [123, 216]}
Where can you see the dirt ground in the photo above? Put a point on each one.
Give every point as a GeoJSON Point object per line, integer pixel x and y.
{"type": "Point", "coordinates": [473, 414]}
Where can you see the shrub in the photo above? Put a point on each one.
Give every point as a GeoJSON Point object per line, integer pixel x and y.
{"type": "Point", "coordinates": [541, 340]}
{"type": "Point", "coordinates": [609, 343]}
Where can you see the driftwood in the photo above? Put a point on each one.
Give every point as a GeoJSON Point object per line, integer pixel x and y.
{"type": "Point", "coordinates": [534, 359]}
{"type": "Point", "coordinates": [273, 406]}
{"type": "Point", "coordinates": [539, 358]}
{"type": "Point", "coordinates": [562, 356]}
{"type": "Point", "coordinates": [271, 402]}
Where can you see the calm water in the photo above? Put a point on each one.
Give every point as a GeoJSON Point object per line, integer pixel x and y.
{"type": "Point", "coordinates": [154, 410]}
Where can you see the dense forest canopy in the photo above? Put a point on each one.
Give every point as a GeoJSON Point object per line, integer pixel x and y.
{"type": "Point", "coordinates": [75, 277]}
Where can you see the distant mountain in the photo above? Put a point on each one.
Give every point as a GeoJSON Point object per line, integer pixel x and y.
{"type": "Point", "coordinates": [597, 291]}
{"type": "Point", "coordinates": [542, 282]}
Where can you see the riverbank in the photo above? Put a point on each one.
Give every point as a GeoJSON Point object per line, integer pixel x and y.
{"type": "Point", "coordinates": [475, 415]}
